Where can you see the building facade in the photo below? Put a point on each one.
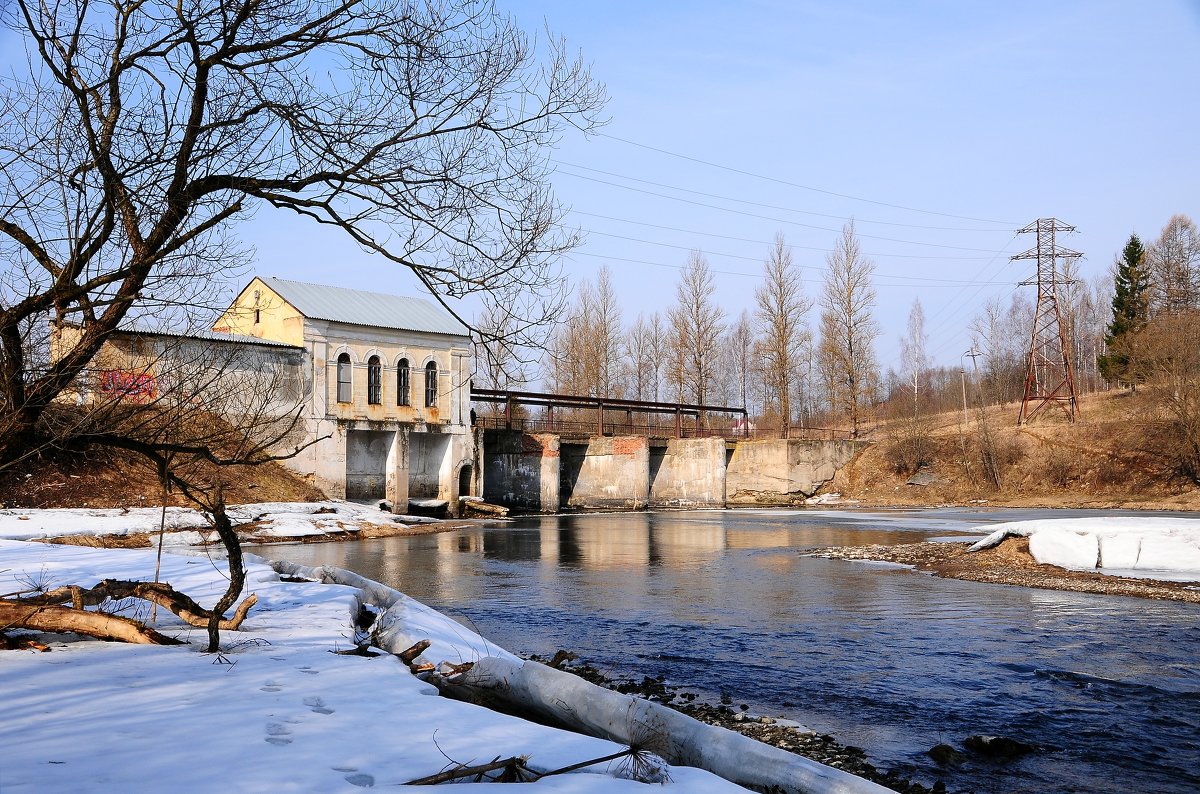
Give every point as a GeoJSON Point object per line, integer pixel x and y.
{"type": "Point", "coordinates": [388, 411]}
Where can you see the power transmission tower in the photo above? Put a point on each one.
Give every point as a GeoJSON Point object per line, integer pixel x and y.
{"type": "Point", "coordinates": [1050, 378]}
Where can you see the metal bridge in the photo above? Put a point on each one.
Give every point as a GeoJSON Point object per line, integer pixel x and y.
{"type": "Point", "coordinates": [575, 415]}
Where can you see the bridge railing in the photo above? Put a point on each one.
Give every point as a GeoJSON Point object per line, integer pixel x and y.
{"type": "Point", "coordinates": [579, 429]}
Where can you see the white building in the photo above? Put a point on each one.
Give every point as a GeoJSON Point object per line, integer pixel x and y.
{"type": "Point", "coordinates": [389, 403]}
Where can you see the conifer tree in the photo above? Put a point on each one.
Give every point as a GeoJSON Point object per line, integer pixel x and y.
{"type": "Point", "coordinates": [1131, 309]}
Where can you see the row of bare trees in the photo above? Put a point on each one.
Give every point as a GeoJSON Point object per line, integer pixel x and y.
{"type": "Point", "coordinates": [766, 359]}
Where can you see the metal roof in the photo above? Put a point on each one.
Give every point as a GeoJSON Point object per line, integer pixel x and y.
{"type": "Point", "coordinates": [342, 305]}
{"type": "Point", "coordinates": [210, 336]}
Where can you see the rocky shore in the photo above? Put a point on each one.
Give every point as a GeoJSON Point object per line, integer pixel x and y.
{"type": "Point", "coordinates": [1010, 563]}
{"type": "Point", "coordinates": [777, 732]}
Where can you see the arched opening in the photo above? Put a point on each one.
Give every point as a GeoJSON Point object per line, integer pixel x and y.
{"type": "Point", "coordinates": [344, 388]}
{"type": "Point", "coordinates": [431, 384]}
{"type": "Point", "coordinates": [374, 381]}
{"type": "Point", "coordinates": [464, 481]}
{"type": "Point", "coordinates": [402, 386]}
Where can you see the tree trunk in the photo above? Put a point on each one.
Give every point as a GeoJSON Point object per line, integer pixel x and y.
{"type": "Point", "coordinates": [14, 614]}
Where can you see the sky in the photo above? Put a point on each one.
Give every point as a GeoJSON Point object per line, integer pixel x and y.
{"type": "Point", "coordinates": [940, 127]}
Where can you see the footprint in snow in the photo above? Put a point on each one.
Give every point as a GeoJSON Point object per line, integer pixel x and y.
{"type": "Point", "coordinates": [317, 705]}
{"type": "Point", "coordinates": [308, 670]}
{"type": "Point", "coordinates": [278, 734]}
{"type": "Point", "coordinates": [362, 780]}
{"type": "Point", "coordinates": [271, 686]}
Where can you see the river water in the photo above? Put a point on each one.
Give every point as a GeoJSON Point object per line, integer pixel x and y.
{"type": "Point", "coordinates": [893, 661]}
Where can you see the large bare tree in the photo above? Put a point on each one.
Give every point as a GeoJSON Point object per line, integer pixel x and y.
{"type": "Point", "coordinates": [1174, 260]}
{"type": "Point", "coordinates": [139, 133]}
{"type": "Point", "coordinates": [848, 329]}
{"type": "Point", "coordinates": [782, 316]}
{"type": "Point", "coordinates": [696, 326]}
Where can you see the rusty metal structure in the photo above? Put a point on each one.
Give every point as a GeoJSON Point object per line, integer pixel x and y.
{"type": "Point", "coordinates": [1050, 378]}
{"type": "Point", "coordinates": [612, 416]}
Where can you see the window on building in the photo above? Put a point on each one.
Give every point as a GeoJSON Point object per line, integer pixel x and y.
{"type": "Point", "coordinates": [374, 381]}
{"type": "Point", "coordinates": [431, 384]}
{"type": "Point", "coordinates": [402, 390]}
{"type": "Point", "coordinates": [343, 379]}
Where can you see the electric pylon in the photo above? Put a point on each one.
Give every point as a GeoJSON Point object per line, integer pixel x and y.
{"type": "Point", "coordinates": [1050, 378]}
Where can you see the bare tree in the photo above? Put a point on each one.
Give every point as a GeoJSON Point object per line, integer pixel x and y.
{"type": "Point", "coordinates": [740, 345]}
{"type": "Point", "coordinates": [141, 132]}
{"type": "Point", "coordinates": [587, 346]}
{"type": "Point", "coordinates": [848, 330]}
{"type": "Point", "coordinates": [1175, 267]}
{"type": "Point", "coordinates": [640, 366]}
{"type": "Point", "coordinates": [783, 329]}
{"type": "Point", "coordinates": [499, 362]}
{"type": "Point", "coordinates": [696, 326]}
{"type": "Point", "coordinates": [912, 352]}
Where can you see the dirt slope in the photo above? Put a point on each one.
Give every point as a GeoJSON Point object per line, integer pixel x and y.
{"type": "Point", "coordinates": [113, 478]}
{"type": "Point", "coordinates": [1102, 461]}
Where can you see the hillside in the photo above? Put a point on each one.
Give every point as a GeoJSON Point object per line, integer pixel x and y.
{"type": "Point", "coordinates": [114, 478]}
{"type": "Point", "coordinates": [1105, 460]}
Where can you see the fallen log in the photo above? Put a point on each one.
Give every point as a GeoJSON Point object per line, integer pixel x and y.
{"type": "Point", "coordinates": [569, 700]}
{"type": "Point", "coordinates": [159, 593]}
{"type": "Point", "coordinates": [59, 619]}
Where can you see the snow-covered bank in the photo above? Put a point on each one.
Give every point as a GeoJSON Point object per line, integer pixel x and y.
{"type": "Point", "coordinates": [186, 526]}
{"type": "Point", "coordinates": [278, 711]}
{"type": "Point", "coordinates": [1141, 546]}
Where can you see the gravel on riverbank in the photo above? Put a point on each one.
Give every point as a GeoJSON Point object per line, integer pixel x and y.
{"type": "Point", "coordinates": [777, 732]}
{"type": "Point", "coordinates": [1010, 563]}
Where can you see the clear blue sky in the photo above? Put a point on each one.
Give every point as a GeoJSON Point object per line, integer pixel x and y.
{"type": "Point", "coordinates": [1003, 112]}
{"type": "Point", "coordinates": [926, 113]}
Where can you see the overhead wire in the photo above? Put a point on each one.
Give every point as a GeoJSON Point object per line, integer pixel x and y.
{"type": "Point", "coordinates": [777, 220]}
{"type": "Point", "coordinates": [856, 219]}
{"type": "Point", "coordinates": [798, 185]}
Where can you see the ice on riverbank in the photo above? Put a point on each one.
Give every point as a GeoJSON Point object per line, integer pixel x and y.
{"type": "Point", "coordinates": [1143, 546]}
{"type": "Point", "coordinates": [278, 711]}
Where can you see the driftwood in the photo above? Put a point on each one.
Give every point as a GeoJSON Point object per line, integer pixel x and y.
{"type": "Point", "coordinates": [46, 611]}
{"type": "Point", "coordinates": [409, 654]}
{"type": "Point", "coordinates": [18, 615]}
{"type": "Point", "coordinates": [512, 770]}
{"type": "Point", "coordinates": [568, 700]}
{"type": "Point", "coordinates": [159, 593]}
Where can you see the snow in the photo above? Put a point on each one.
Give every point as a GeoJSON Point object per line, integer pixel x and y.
{"type": "Point", "coordinates": [1152, 547]}
{"type": "Point", "coordinates": [276, 712]}
{"type": "Point", "coordinates": [279, 519]}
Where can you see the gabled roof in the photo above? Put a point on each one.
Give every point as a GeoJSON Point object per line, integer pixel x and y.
{"type": "Point", "coordinates": [358, 307]}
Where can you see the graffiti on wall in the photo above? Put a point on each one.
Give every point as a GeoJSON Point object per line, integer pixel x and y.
{"type": "Point", "coordinates": [131, 385]}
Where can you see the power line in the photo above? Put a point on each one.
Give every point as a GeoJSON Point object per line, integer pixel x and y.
{"type": "Point", "coordinates": [760, 242]}
{"type": "Point", "coordinates": [778, 220]}
{"type": "Point", "coordinates": [734, 272]}
{"type": "Point", "coordinates": [764, 205]}
{"type": "Point", "coordinates": [798, 185]}
{"type": "Point", "coordinates": [948, 281]}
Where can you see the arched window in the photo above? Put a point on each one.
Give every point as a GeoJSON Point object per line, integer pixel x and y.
{"type": "Point", "coordinates": [344, 391]}
{"type": "Point", "coordinates": [374, 381]}
{"type": "Point", "coordinates": [431, 384]}
{"type": "Point", "coordinates": [402, 390]}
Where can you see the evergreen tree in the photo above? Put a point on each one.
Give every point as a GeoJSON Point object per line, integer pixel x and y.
{"type": "Point", "coordinates": [1131, 309]}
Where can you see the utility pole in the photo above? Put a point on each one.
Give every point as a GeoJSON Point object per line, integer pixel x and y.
{"type": "Point", "coordinates": [962, 370]}
{"type": "Point", "coordinates": [1050, 377]}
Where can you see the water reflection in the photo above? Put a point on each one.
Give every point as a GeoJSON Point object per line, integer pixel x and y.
{"type": "Point", "coordinates": [887, 659]}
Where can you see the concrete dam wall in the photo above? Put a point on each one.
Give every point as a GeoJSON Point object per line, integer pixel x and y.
{"type": "Point", "coordinates": [543, 473]}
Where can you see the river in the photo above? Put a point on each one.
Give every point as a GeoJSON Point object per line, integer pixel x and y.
{"type": "Point", "coordinates": [893, 661]}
